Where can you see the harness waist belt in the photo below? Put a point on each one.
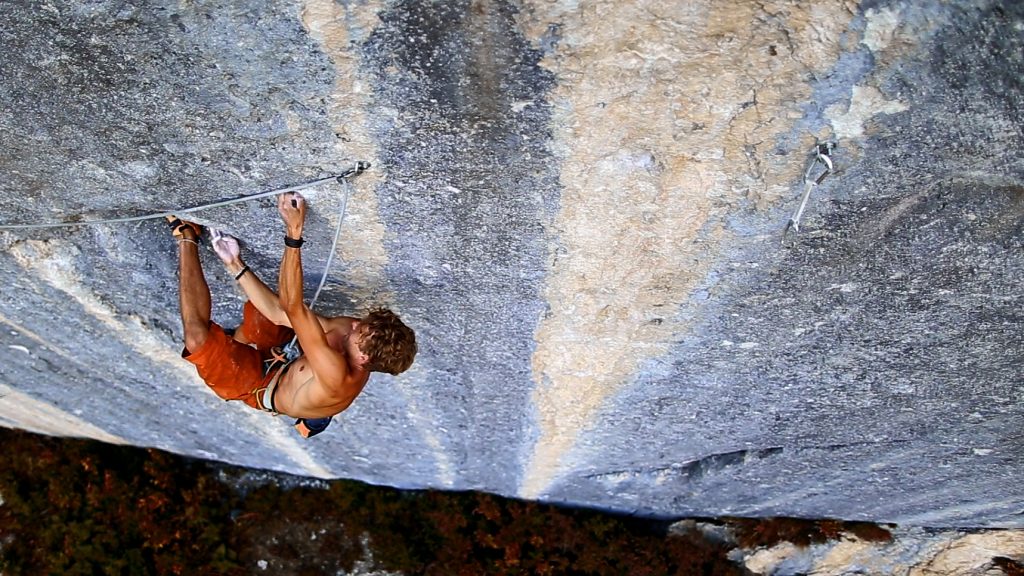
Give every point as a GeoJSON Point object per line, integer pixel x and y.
{"type": "Point", "coordinates": [267, 399]}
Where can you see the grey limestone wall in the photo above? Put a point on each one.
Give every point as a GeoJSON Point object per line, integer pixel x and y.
{"type": "Point", "coordinates": [579, 207]}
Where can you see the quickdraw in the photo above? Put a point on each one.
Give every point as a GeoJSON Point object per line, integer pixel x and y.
{"type": "Point", "coordinates": [822, 156]}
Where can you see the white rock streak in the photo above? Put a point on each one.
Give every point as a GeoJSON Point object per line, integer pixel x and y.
{"type": "Point", "coordinates": [865, 103]}
{"type": "Point", "coordinates": [19, 410]}
{"type": "Point", "coordinates": [880, 29]}
{"type": "Point", "coordinates": [53, 261]}
{"type": "Point", "coordinates": [665, 114]}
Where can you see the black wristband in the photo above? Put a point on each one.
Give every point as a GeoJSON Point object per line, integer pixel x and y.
{"type": "Point", "coordinates": [292, 242]}
{"type": "Point", "coordinates": [242, 272]}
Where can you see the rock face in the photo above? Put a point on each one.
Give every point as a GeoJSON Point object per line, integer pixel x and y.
{"type": "Point", "coordinates": [912, 551]}
{"type": "Point", "coordinates": [579, 207]}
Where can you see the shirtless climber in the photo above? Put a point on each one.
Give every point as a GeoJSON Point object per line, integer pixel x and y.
{"type": "Point", "coordinates": [337, 355]}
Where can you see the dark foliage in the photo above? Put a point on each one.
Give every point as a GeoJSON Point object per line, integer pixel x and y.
{"type": "Point", "coordinates": [753, 532]}
{"type": "Point", "coordinates": [1009, 566]}
{"type": "Point", "coordinates": [84, 508]}
{"type": "Point", "coordinates": [75, 507]}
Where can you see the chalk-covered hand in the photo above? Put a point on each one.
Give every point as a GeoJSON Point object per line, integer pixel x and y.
{"type": "Point", "coordinates": [292, 207]}
{"type": "Point", "coordinates": [226, 247]}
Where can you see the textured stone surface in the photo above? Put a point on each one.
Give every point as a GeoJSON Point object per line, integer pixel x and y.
{"type": "Point", "coordinates": [914, 552]}
{"type": "Point", "coordinates": [579, 207]}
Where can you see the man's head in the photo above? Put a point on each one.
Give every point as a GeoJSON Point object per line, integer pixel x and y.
{"type": "Point", "coordinates": [389, 345]}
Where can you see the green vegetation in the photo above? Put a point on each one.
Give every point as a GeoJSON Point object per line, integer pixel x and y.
{"type": "Point", "coordinates": [74, 507]}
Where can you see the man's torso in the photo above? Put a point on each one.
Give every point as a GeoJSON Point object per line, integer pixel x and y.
{"type": "Point", "coordinates": [302, 395]}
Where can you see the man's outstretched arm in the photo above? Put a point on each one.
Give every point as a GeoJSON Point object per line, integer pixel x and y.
{"type": "Point", "coordinates": [259, 294]}
{"type": "Point", "coordinates": [329, 365]}
{"type": "Point", "coordinates": [265, 300]}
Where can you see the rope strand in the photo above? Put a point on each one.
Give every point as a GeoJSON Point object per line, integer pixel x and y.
{"type": "Point", "coordinates": [347, 186]}
{"type": "Point", "coordinates": [171, 212]}
{"type": "Point", "coordinates": [342, 178]}
{"type": "Point", "coordinates": [291, 349]}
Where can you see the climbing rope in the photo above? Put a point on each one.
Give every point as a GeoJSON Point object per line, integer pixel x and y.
{"type": "Point", "coordinates": [341, 178]}
{"type": "Point", "coordinates": [346, 186]}
{"type": "Point", "coordinates": [291, 349]}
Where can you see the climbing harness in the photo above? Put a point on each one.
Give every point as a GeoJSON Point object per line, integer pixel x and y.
{"type": "Point", "coordinates": [822, 156]}
{"type": "Point", "coordinates": [265, 395]}
{"type": "Point", "coordinates": [342, 178]}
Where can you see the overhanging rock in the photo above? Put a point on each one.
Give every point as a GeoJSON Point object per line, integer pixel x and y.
{"type": "Point", "coordinates": [579, 208]}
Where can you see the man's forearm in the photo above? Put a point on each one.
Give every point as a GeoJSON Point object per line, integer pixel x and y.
{"type": "Point", "coordinates": [261, 296]}
{"type": "Point", "coordinates": [293, 211]}
{"type": "Point", "coordinates": [290, 280]}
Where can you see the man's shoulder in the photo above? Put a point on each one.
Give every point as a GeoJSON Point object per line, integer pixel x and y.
{"type": "Point", "coordinates": [338, 321]}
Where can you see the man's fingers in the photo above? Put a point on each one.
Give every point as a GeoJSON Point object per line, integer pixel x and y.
{"type": "Point", "coordinates": [225, 246]}
{"type": "Point", "coordinates": [294, 199]}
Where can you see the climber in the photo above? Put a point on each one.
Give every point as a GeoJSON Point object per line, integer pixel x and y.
{"type": "Point", "coordinates": [337, 354]}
